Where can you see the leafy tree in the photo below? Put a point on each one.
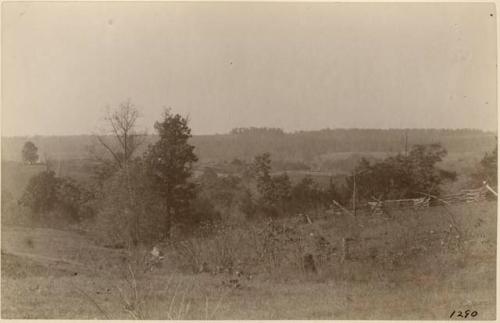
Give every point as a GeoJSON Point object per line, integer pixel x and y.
{"type": "Point", "coordinates": [169, 164]}
{"type": "Point", "coordinates": [41, 192]}
{"type": "Point", "coordinates": [279, 192]}
{"type": "Point", "coordinates": [425, 176]}
{"type": "Point", "coordinates": [261, 170]}
{"type": "Point", "coordinates": [30, 153]}
{"type": "Point", "coordinates": [274, 190]}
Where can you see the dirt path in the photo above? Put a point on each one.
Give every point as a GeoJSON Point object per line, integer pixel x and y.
{"type": "Point", "coordinates": [43, 259]}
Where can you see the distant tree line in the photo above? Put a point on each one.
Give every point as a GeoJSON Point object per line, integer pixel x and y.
{"type": "Point", "coordinates": [302, 146]}
{"type": "Point", "coordinates": [306, 146]}
{"type": "Point", "coordinates": [256, 131]}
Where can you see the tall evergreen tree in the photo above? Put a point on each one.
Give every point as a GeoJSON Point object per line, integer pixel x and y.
{"type": "Point", "coordinates": [169, 164]}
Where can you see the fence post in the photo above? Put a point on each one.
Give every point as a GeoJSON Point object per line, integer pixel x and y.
{"type": "Point", "coordinates": [344, 251]}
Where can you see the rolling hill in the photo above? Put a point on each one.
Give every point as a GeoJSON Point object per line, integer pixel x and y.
{"type": "Point", "coordinates": [297, 146]}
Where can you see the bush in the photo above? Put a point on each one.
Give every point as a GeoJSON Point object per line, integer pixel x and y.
{"type": "Point", "coordinates": [200, 212]}
{"type": "Point", "coordinates": [402, 176]}
{"type": "Point", "coordinates": [307, 195]}
{"type": "Point", "coordinates": [221, 248]}
{"type": "Point", "coordinates": [41, 193]}
{"type": "Point", "coordinates": [46, 193]}
{"type": "Point", "coordinates": [73, 199]}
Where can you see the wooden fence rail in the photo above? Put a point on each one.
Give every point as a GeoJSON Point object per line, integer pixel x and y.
{"type": "Point", "coordinates": [378, 207]}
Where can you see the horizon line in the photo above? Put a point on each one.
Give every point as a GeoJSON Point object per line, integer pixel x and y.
{"type": "Point", "coordinates": [253, 127]}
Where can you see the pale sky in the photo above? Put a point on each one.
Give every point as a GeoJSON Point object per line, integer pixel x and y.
{"type": "Point", "coordinates": [289, 65]}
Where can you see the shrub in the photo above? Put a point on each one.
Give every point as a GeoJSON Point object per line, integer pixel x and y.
{"type": "Point", "coordinates": [200, 212]}
{"type": "Point", "coordinates": [402, 176]}
{"type": "Point", "coordinates": [72, 198]}
{"type": "Point", "coordinates": [307, 195]}
{"type": "Point", "coordinates": [41, 193]}
{"type": "Point", "coordinates": [46, 192]}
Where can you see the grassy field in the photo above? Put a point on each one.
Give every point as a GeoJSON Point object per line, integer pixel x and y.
{"type": "Point", "coordinates": [56, 274]}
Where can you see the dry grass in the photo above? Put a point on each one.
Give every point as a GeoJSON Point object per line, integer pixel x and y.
{"type": "Point", "coordinates": [54, 274]}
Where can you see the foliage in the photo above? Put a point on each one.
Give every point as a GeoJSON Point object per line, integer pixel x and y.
{"type": "Point", "coordinates": [221, 190]}
{"type": "Point", "coordinates": [402, 176]}
{"type": "Point", "coordinates": [261, 168]}
{"type": "Point", "coordinates": [278, 195]}
{"type": "Point", "coordinates": [201, 211]}
{"type": "Point", "coordinates": [102, 171]}
{"type": "Point", "coordinates": [45, 192]}
{"type": "Point", "coordinates": [73, 199]}
{"type": "Point", "coordinates": [169, 165]}
{"type": "Point", "coordinates": [291, 146]}
{"type": "Point", "coordinates": [246, 203]}
{"type": "Point", "coordinates": [275, 191]}
{"type": "Point", "coordinates": [307, 195]}
{"type": "Point", "coordinates": [41, 193]}
{"type": "Point", "coordinates": [338, 193]}
{"type": "Point", "coordinates": [253, 131]}
{"type": "Point", "coordinates": [30, 153]}
{"type": "Point", "coordinates": [153, 198]}
{"type": "Point", "coordinates": [318, 144]}
{"type": "Point", "coordinates": [488, 168]}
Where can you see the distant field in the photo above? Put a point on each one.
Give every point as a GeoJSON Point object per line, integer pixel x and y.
{"type": "Point", "coordinates": [51, 274]}
{"type": "Point", "coordinates": [298, 146]}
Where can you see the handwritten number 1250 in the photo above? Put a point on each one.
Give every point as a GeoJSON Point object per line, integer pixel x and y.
{"type": "Point", "coordinates": [464, 314]}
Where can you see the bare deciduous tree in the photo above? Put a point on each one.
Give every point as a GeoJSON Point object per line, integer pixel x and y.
{"type": "Point", "coordinates": [122, 129]}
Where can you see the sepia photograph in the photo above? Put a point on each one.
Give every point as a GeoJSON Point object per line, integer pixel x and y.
{"type": "Point", "coordinates": [248, 160]}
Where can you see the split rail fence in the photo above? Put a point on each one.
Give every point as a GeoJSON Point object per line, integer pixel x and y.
{"type": "Point", "coordinates": [378, 207]}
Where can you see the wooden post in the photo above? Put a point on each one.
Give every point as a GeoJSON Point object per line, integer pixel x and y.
{"type": "Point", "coordinates": [341, 207]}
{"type": "Point", "coordinates": [490, 189]}
{"type": "Point", "coordinates": [354, 194]}
{"type": "Point", "coordinates": [343, 247]}
{"type": "Point", "coordinates": [406, 143]}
